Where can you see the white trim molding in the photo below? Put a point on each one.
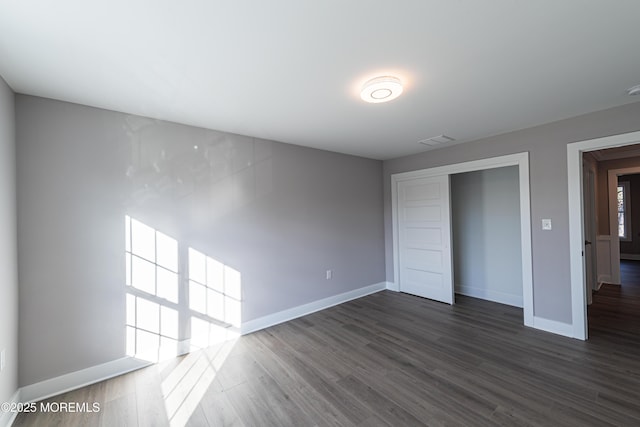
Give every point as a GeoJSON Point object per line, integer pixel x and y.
{"type": "Point", "coordinates": [392, 286]}
{"type": "Point", "coordinates": [94, 374]}
{"type": "Point", "coordinates": [302, 310]}
{"type": "Point", "coordinates": [553, 326]}
{"type": "Point", "coordinates": [74, 380]}
{"type": "Point", "coordinates": [81, 378]}
{"type": "Point", "coordinates": [522, 161]}
{"type": "Point", "coordinates": [7, 418]}
{"type": "Point", "coordinates": [630, 257]}
{"type": "Point", "coordinates": [576, 227]}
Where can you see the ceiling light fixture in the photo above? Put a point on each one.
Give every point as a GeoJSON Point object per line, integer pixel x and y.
{"type": "Point", "coordinates": [635, 90]}
{"type": "Point", "coordinates": [381, 89]}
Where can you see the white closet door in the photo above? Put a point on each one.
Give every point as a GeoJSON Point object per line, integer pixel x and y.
{"type": "Point", "coordinates": [424, 238]}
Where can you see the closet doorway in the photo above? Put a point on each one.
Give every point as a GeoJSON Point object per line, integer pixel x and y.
{"type": "Point", "coordinates": [485, 219]}
{"type": "Point", "coordinates": [423, 254]}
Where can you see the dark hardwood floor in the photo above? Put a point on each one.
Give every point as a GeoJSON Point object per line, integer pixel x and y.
{"type": "Point", "coordinates": [614, 315]}
{"type": "Point", "coordinates": [390, 359]}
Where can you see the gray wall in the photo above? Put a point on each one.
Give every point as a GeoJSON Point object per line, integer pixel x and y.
{"type": "Point", "coordinates": [279, 214]}
{"type": "Point", "coordinates": [485, 210]}
{"type": "Point", "coordinates": [547, 147]}
{"type": "Point", "coordinates": [8, 246]}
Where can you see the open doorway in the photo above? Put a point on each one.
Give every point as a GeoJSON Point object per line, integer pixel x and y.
{"type": "Point", "coordinates": [422, 236]}
{"type": "Point", "coordinates": [485, 219]}
{"type": "Point", "coordinates": [608, 217]}
{"type": "Point", "coordinates": [628, 213]}
{"type": "Point", "coordinates": [610, 188]}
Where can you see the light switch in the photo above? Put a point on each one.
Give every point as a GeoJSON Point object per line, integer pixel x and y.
{"type": "Point", "coordinates": [546, 224]}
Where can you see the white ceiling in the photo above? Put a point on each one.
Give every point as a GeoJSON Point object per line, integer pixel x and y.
{"type": "Point", "coordinates": [291, 70]}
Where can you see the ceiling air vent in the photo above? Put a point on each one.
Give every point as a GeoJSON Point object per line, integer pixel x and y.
{"type": "Point", "coordinates": [435, 141]}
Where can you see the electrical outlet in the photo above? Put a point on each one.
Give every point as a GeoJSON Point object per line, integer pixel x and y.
{"type": "Point", "coordinates": [329, 274]}
{"type": "Point", "coordinates": [3, 360]}
{"type": "Point", "coordinates": [546, 224]}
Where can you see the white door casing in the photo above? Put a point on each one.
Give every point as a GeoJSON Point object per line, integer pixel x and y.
{"type": "Point", "coordinates": [424, 238]}
{"type": "Point", "coordinates": [522, 161]}
{"type": "Point", "coordinates": [576, 222]}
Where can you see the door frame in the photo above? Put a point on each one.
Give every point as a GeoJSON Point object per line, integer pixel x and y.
{"type": "Point", "coordinates": [576, 222]}
{"type": "Point", "coordinates": [589, 168]}
{"type": "Point", "coordinates": [612, 202]}
{"type": "Point", "coordinates": [522, 161]}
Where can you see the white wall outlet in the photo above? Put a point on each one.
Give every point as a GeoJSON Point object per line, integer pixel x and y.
{"type": "Point", "coordinates": [3, 359]}
{"type": "Point", "coordinates": [329, 274]}
{"type": "Point", "coordinates": [546, 224]}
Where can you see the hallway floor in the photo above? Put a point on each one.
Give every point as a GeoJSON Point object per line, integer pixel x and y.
{"type": "Point", "coordinates": [615, 311]}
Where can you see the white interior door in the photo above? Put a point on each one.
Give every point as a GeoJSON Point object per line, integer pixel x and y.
{"type": "Point", "coordinates": [424, 238]}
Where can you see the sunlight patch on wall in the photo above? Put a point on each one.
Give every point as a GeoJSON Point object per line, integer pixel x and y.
{"type": "Point", "coordinates": [152, 321]}
{"type": "Point", "coordinates": [169, 312]}
{"type": "Point", "coordinates": [152, 330]}
{"type": "Point", "coordinates": [215, 289]}
{"type": "Point", "coordinates": [151, 260]}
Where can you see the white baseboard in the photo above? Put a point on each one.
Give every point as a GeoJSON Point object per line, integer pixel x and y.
{"type": "Point", "coordinates": [78, 379]}
{"type": "Point", "coordinates": [184, 347]}
{"type": "Point", "coordinates": [74, 380]}
{"type": "Point", "coordinates": [604, 278]}
{"type": "Point", "coordinates": [630, 257]}
{"type": "Point", "coordinates": [553, 326]}
{"type": "Point", "coordinates": [302, 310]}
{"type": "Point", "coordinates": [391, 286]}
{"type": "Point", "coordinates": [490, 295]}
{"type": "Point", "coordinates": [84, 377]}
{"type": "Point", "coordinates": [7, 418]}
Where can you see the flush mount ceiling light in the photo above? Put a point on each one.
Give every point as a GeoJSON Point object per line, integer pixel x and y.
{"type": "Point", "coordinates": [381, 89]}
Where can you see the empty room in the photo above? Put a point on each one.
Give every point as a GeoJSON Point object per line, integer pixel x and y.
{"type": "Point", "coordinates": [319, 213]}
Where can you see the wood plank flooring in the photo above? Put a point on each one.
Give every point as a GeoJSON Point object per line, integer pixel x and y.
{"type": "Point", "coordinates": [390, 359]}
{"type": "Point", "coordinates": [616, 309]}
